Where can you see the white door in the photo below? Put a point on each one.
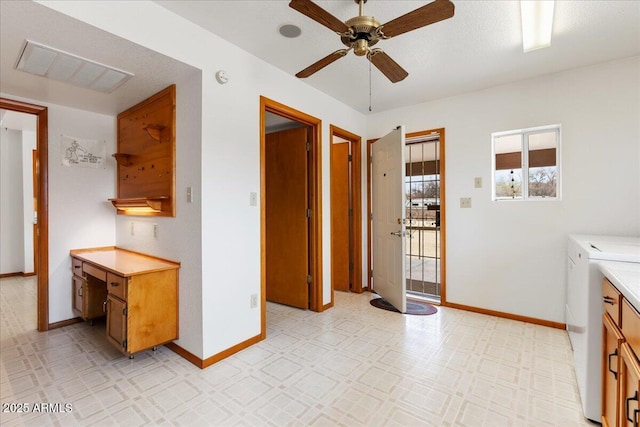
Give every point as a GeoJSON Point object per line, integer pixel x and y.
{"type": "Point", "coordinates": [388, 205]}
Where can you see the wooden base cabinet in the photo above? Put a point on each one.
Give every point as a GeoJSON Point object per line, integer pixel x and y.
{"type": "Point", "coordinates": [140, 296]}
{"type": "Point", "coordinates": [620, 365]}
{"type": "Point", "coordinates": [89, 295]}
{"type": "Point", "coordinates": [629, 414]}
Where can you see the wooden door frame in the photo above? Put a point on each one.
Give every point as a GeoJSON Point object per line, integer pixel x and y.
{"type": "Point", "coordinates": [315, 200]}
{"type": "Point", "coordinates": [356, 188]}
{"type": "Point", "coordinates": [42, 168]}
{"type": "Point", "coordinates": [443, 240]}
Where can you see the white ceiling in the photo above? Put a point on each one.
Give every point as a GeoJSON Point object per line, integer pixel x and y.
{"type": "Point", "coordinates": [20, 20]}
{"type": "Point", "coordinates": [480, 47]}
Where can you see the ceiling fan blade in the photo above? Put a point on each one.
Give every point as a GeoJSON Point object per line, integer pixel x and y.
{"type": "Point", "coordinates": [319, 65]}
{"type": "Point", "coordinates": [318, 14]}
{"type": "Point", "coordinates": [436, 11]}
{"type": "Point", "coordinates": [387, 66]}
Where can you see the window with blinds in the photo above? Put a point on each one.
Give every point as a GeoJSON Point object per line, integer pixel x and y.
{"type": "Point", "coordinates": [526, 164]}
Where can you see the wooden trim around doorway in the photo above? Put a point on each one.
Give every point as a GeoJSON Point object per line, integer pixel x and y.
{"type": "Point", "coordinates": [315, 197]}
{"type": "Point", "coordinates": [42, 200]}
{"type": "Point", "coordinates": [356, 185]}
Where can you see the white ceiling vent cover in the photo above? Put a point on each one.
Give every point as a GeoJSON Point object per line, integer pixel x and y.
{"type": "Point", "coordinates": [55, 64]}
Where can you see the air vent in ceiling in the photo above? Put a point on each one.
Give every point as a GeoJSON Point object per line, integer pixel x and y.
{"type": "Point", "coordinates": [55, 64]}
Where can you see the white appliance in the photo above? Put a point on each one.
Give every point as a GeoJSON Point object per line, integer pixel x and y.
{"type": "Point", "coordinates": [584, 307]}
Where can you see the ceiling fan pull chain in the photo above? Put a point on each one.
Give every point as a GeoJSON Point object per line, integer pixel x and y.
{"type": "Point", "coordinates": [369, 84]}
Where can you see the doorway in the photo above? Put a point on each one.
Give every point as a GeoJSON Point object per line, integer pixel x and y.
{"type": "Point", "coordinates": [41, 247]}
{"type": "Point", "coordinates": [346, 211]}
{"type": "Point", "coordinates": [291, 155]}
{"type": "Point", "coordinates": [425, 238]}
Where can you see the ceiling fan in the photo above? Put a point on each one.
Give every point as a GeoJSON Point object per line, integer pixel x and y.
{"type": "Point", "coordinates": [362, 32]}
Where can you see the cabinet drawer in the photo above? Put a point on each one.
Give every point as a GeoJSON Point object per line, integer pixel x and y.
{"type": "Point", "coordinates": [611, 299]}
{"type": "Point", "coordinates": [117, 285]}
{"type": "Point", "coordinates": [94, 271]}
{"type": "Point", "coordinates": [631, 326]}
{"type": "Point", "coordinates": [76, 266]}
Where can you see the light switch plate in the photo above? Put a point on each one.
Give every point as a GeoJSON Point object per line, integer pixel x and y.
{"type": "Point", "coordinates": [477, 182]}
{"type": "Point", "coordinates": [465, 202]}
{"type": "Point", "coordinates": [253, 199]}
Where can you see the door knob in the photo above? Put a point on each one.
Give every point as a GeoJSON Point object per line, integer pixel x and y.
{"type": "Point", "coordinates": [398, 233]}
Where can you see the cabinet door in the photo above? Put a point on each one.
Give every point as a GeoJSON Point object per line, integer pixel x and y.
{"type": "Point", "coordinates": [629, 414]}
{"type": "Point", "coordinates": [611, 340]}
{"type": "Point", "coordinates": [77, 297]}
{"type": "Point", "coordinates": [117, 322]}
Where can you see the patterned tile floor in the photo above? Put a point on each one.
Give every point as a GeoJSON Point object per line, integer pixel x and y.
{"type": "Point", "coordinates": [353, 365]}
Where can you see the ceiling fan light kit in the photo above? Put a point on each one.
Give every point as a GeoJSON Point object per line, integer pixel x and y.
{"type": "Point", "coordinates": [362, 32]}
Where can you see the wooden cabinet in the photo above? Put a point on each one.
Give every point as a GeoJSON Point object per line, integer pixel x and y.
{"type": "Point", "coordinates": [629, 386]}
{"type": "Point", "coordinates": [140, 296]}
{"type": "Point", "coordinates": [620, 366]}
{"type": "Point", "coordinates": [88, 293]}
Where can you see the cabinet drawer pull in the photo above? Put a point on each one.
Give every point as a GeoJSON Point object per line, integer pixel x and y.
{"type": "Point", "coordinates": [615, 374]}
{"type": "Point", "coordinates": [635, 417]}
{"type": "Point", "coordinates": [104, 306]}
{"type": "Point", "coordinates": [609, 300]}
{"type": "Point", "coordinates": [79, 292]}
{"type": "Point", "coordinates": [115, 284]}
{"type": "Point", "coordinates": [77, 266]}
{"type": "Point", "coordinates": [626, 412]}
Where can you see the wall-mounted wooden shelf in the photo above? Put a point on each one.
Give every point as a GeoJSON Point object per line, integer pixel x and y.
{"type": "Point", "coordinates": [140, 205]}
{"type": "Point", "coordinates": [146, 157]}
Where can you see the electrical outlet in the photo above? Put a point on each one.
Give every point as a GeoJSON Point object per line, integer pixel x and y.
{"type": "Point", "coordinates": [253, 199]}
{"type": "Point", "coordinates": [254, 300]}
{"type": "Point", "coordinates": [477, 182]}
{"type": "Point", "coordinates": [132, 228]}
{"type": "Point", "coordinates": [465, 202]}
{"type": "Point", "coordinates": [189, 195]}
{"type": "Point", "coordinates": [155, 231]}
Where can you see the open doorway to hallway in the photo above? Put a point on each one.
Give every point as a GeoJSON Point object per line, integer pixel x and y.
{"type": "Point", "coordinates": [291, 255]}
{"type": "Point", "coordinates": [40, 178]}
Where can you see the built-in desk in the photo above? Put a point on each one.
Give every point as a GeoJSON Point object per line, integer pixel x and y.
{"type": "Point", "coordinates": [138, 293]}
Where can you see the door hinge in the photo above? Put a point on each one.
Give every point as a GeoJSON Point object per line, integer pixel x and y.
{"type": "Point", "coordinates": [309, 279]}
{"type": "Point", "coordinates": [350, 212]}
{"type": "Point", "coordinates": [125, 311]}
{"type": "Point", "coordinates": [350, 157]}
{"type": "Point", "coordinates": [371, 216]}
{"type": "Point", "coordinates": [124, 344]}
{"type": "Point", "coordinates": [308, 146]}
{"type": "Point", "coordinates": [308, 213]}
{"type": "Point", "coordinates": [351, 266]}
{"type": "Point", "coordinates": [371, 273]}
{"type": "Point", "coordinates": [371, 158]}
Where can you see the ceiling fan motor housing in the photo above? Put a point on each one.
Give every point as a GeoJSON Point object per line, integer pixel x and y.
{"type": "Point", "coordinates": [362, 34]}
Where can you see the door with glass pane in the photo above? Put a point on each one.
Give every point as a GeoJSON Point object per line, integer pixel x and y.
{"type": "Point", "coordinates": [423, 241]}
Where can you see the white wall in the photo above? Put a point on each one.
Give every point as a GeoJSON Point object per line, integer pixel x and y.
{"type": "Point", "coordinates": [28, 145]}
{"type": "Point", "coordinates": [229, 158]}
{"type": "Point", "coordinates": [11, 211]}
{"type": "Point", "coordinates": [179, 238]}
{"type": "Point", "coordinates": [510, 256]}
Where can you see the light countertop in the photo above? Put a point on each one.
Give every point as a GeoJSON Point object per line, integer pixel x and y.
{"type": "Point", "coordinates": [625, 276]}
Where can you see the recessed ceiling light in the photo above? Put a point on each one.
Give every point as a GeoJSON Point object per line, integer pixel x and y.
{"type": "Point", "coordinates": [55, 64]}
{"type": "Point", "coordinates": [289, 30]}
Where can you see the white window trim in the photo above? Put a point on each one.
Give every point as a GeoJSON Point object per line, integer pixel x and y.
{"type": "Point", "coordinates": [525, 161]}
